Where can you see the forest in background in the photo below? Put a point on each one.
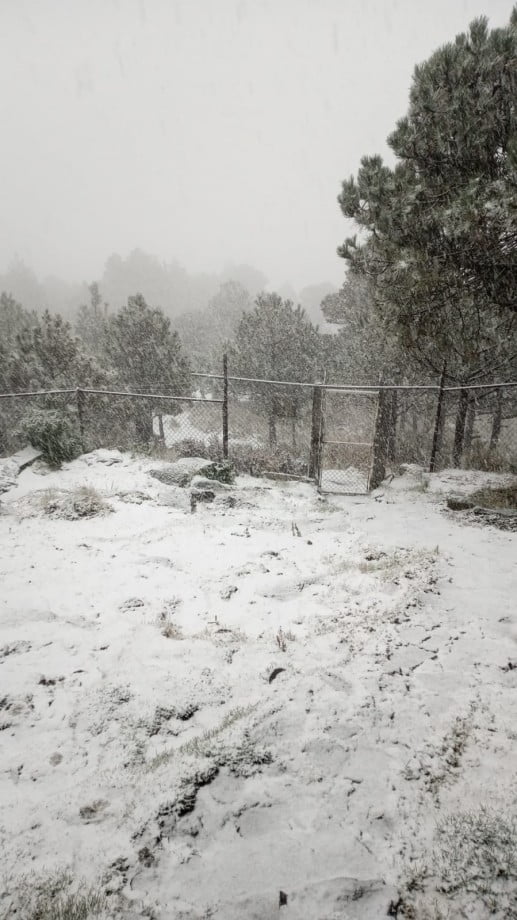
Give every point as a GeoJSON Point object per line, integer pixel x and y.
{"type": "Point", "coordinates": [430, 283]}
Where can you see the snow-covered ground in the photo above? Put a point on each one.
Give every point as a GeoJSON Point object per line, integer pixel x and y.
{"type": "Point", "coordinates": [279, 693]}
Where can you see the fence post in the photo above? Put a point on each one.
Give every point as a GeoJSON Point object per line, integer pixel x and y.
{"type": "Point", "coordinates": [381, 438]}
{"type": "Point", "coordinates": [161, 432]}
{"type": "Point", "coordinates": [316, 432]}
{"type": "Point", "coordinates": [438, 423]}
{"type": "Point", "coordinates": [459, 431]}
{"type": "Point", "coordinates": [80, 410]}
{"type": "Point", "coordinates": [225, 406]}
{"type": "Point", "coordinates": [497, 419]}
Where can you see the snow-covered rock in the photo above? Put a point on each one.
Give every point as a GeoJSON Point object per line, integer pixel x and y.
{"type": "Point", "coordinates": [182, 471]}
{"type": "Point", "coordinates": [203, 482]}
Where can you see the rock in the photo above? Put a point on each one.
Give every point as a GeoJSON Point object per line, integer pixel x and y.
{"type": "Point", "coordinates": [11, 466]}
{"type": "Point", "coordinates": [134, 498]}
{"type": "Point", "coordinates": [226, 593]}
{"type": "Point", "coordinates": [182, 472]}
{"type": "Point", "coordinates": [102, 455]}
{"type": "Point", "coordinates": [200, 495]}
{"type": "Point", "coordinates": [8, 474]}
{"type": "Point", "coordinates": [132, 603]}
{"type": "Point", "coordinates": [203, 482]}
{"type": "Point", "coordinates": [459, 503]}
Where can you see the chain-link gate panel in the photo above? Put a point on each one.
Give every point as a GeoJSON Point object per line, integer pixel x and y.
{"type": "Point", "coordinates": [347, 441]}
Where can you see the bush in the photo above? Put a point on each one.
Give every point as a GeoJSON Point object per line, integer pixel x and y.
{"type": "Point", "coordinates": [222, 472]}
{"type": "Point", "coordinates": [480, 457]}
{"type": "Point", "coordinates": [53, 432]}
{"type": "Point", "coordinates": [257, 460]}
{"type": "Point", "coordinates": [211, 448]}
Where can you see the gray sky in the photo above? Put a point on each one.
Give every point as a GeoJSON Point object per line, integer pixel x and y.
{"type": "Point", "coordinates": [202, 130]}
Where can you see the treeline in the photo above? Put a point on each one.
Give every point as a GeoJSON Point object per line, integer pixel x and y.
{"type": "Point", "coordinates": [431, 283]}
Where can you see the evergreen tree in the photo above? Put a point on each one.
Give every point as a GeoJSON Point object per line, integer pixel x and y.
{"type": "Point", "coordinates": [441, 243]}
{"type": "Point", "coordinates": [146, 356]}
{"type": "Point", "coordinates": [365, 349]}
{"type": "Point", "coordinates": [276, 341]}
{"type": "Point", "coordinates": [13, 320]}
{"type": "Point", "coordinates": [91, 321]}
{"type": "Point", "coordinates": [44, 355]}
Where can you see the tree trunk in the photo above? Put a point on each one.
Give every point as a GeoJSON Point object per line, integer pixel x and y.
{"type": "Point", "coordinates": [459, 433]}
{"type": "Point", "coordinates": [272, 431]}
{"type": "Point", "coordinates": [392, 432]}
{"type": "Point", "coordinates": [316, 433]}
{"type": "Point", "coordinates": [469, 424]}
{"type": "Point", "coordinates": [497, 420]}
{"type": "Point", "coordinates": [144, 423]}
{"type": "Point", "coordinates": [161, 433]}
{"type": "Point", "coordinates": [380, 440]}
{"type": "Point", "coordinates": [293, 431]}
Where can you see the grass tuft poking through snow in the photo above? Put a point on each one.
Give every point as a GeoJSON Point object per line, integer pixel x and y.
{"type": "Point", "coordinates": [200, 745]}
{"type": "Point", "coordinates": [471, 870]}
{"type": "Point", "coordinates": [52, 897]}
{"type": "Point", "coordinates": [82, 502]}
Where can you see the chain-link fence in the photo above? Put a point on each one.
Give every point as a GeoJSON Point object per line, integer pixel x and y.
{"type": "Point", "coordinates": [479, 429]}
{"type": "Point", "coordinates": [18, 413]}
{"type": "Point", "coordinates": [177, 426]}
{"type": "Point", "coordinates": [365, 433]}
{"type": "Point", "coordinates": [269, 426]}
{"type": "Point", "coordinates": [346, 438]}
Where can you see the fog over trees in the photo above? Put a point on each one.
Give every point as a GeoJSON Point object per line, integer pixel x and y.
{"type": "Point", "coordinates": [429, 277]}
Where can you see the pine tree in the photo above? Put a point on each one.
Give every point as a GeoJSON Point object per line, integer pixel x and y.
{"type": "Point", "coordinates": [364, 350]}
{"type": "Point", "coordinates": [441, 241]}
{"type": "Point", "coordinates": [146, 356]}
{"type": "Point", "coordinates": [91, 321]}
{"type": "Point", "coordinates": [276, 341]}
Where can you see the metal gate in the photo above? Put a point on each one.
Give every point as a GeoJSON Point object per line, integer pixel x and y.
{"type": "Point", "coordinates": [346, 440]}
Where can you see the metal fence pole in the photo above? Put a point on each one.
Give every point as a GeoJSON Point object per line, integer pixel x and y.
{"type": "Point", "coordinates": [438, 424]}
{"type": "Point", "coordinates": [80, 410]}
{"type": "Point", "coordinates": [497, 419]}
{"type": "Point", "coordinates": [316, 432]}
{"type": "Point", "coordinates": [225, 406]}
{"type": "Point", "coordinates": [459, 431]}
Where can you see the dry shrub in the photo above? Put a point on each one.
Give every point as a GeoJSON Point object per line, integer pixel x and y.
{"type": "Point", "coordinates": [53, 897]}
{"type": "Point", "coordinates": [83, 502]}
{"type": "Point", "coordinates": [504, 497]}
{"type": "Point", "coordinates": [499, 460]}
{"type": "Point", "coordinates": [193, 447]}
{"type": "Point", "coordinates": [168, 628]}
{"type": "Point", "coordinates": [256, 460]}
{"type": "Point", "coordinates": [470, 872]}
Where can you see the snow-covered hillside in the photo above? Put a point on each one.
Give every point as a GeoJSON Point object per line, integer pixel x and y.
{"type": "Point", "coordinates": [263, 708]}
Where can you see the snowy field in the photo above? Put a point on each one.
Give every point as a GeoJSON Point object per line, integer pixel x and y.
{"type": "Point", "coordinates": [262, 709]}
